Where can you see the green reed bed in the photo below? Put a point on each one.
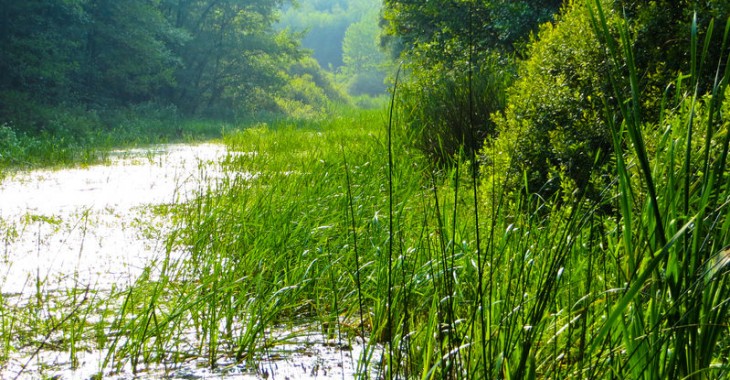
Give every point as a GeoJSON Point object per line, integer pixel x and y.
{"type": "Point", "coordinates": [45, 333]}
{"type": "Point", "coordinates": [315, 223]}
{"type": "Point", "coordinates": [300, 232]}
{"type": "Point", "coordinates": [40, 319]}
{"type": "Point", "coordinates": [673, 314]}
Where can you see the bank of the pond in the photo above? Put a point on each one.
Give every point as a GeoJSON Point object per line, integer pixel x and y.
{"type": "Point", "coordinates": [81, 246]}
{"type": "Point", "coordinates": [88, 139]}
{"type": "Point", "coordinates": [343, 235]}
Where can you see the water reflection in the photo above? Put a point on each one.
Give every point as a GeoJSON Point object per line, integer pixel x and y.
{"type": "Point", "coordinates": [93, 228]}
{"type": "Point", "coordinates": [90, 226]}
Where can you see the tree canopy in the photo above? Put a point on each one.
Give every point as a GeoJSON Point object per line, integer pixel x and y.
{"type": "Point", "coordinates": [324, 24]}
{"type": "Point", "coordinates": [447, 29]}
{"type": "Point", "coordinates": [203, 56]}
{"type": "Point", "coordinates": [458, 59]}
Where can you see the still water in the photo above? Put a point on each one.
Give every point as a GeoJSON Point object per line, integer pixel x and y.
{"type": "Point", "coordinates": [93, 228]}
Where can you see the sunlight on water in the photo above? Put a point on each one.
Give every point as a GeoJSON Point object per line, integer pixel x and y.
{"type": "Point", "coordinates": [89, 226]}
{"type": "Point", "coordinates": [93, 228]}
{"type": "Point", "coordinates": [307, 356]}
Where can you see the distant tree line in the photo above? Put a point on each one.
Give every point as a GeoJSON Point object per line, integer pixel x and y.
{"type": "Point", "coordinates": [343, 36]}
{"type": "Point", "coordinates": [204, 57]}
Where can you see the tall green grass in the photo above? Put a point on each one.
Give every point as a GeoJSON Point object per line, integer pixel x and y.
{"type": "Point", "coordinates": [340, 223]}
{"type": "Point", "coordinates": [566, 289]}
{"type": "Point", "coordinates": [673, 312]}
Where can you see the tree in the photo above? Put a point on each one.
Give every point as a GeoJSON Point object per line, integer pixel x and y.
{"type": "Point", "coordinates": [201, 55]}
{"type": "Point", "coordinates": [38, 40]}
{"type": "Point", "coordinates": [232, 57]}
{"type": "Point", "coordinates": [458, 55]}
{"type": "Point", "coordinates": [127, 50]}
{"type": "Point", "coordinates": [86, 49]}
{"type": "Point", "coordinates": [445, 30]}
{"type": "Point", "coordinates": [364, 61]}
{"type": "Point", "coordinates": [663, 32]}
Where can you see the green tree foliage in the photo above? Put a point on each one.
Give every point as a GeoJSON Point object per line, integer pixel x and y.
{"type": "Point", "coordinates": [445, 30]}
{"type": "Point", "coordinates": [458, 57]}
{"type": "Point", "coordinates": [232, 58]}
{"type": "Point", "coordinates": [206, 57]}
{"type": "Point", "coordinates": [553, 125]}
{"type": "Point", "coordinates": [309, 90]}
{"type": "Point", "coordinates": [449, 107]}
{"type": "Point", "coordinates": [308, 66]}
{"type": "Point", "coordinates": [662, 36]}
{"type": "Point", "coordinates": [343, 36]}
{"type": "Point", "coordinates": [365, 64]}
{"type": "Point", "coordinates": [554, 130]}
{"type": "Point", "coordinates": [87, 49]}
{"type": "Point", "coordinates": [126, 55]}
{"type": "Point", "coordinates": [38, 45]}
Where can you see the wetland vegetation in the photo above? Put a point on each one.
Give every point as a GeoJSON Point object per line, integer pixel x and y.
{"type": "Point", "coordinates": [545, 195]}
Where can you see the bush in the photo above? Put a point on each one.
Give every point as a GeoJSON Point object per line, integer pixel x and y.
{"type": "Point", "coordinates": [553, 127]}
{"type": "Point", "coordinates": [438, 107]}
{"type": "Point", "coordinates": [663, 33]}
{"type": "Point", "coordinates": [9, 145]}
{"type": "Point", "coordinates": [309, 91]}
{"type": "Point", "coordinates": [308, 68]}
{"type": "Point", "coordinates": [554, 131]}
{"type": "Point", "coordinates": [367, 83]}
{"type": "Point", "coordinates": [22, 112]}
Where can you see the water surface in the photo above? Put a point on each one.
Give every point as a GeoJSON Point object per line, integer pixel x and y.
{"type": "Point", "coordinates": [92, 226]}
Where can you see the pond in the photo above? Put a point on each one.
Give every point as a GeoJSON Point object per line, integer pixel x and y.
{"type": "Point", "coordinates": [94, 228]}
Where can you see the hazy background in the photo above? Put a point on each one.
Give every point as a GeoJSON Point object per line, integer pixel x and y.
{"type": "Point", "coordinates": [343, 36]}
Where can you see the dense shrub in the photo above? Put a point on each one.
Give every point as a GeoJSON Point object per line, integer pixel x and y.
{"type": "Point", "coordinates": [308, 92]}
{"type": "Point", "coordinates": [308, 66]}
{"type": "Point", "coordinates": [663, 36]}
{"type": "Point", "coordinates": [449, 108]}
{"type": "Point", "coordinates": [367, 83]}
{"type": "Point", "coordinates": [442, 41]}
{"type": "Point", "coordinates": [553, 134]}
{"type": "Point", "coordinates": [9, 144]}
{"type": "Point", "coordinates": [553, 127]}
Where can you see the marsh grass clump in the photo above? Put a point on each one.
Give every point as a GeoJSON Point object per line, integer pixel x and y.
{"type": "Point", "coordinates": [66, 324]}
{"type": "Point", "coordinates": [449, 108]}
{"type": "Point", "coordinates": [275, 246]}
